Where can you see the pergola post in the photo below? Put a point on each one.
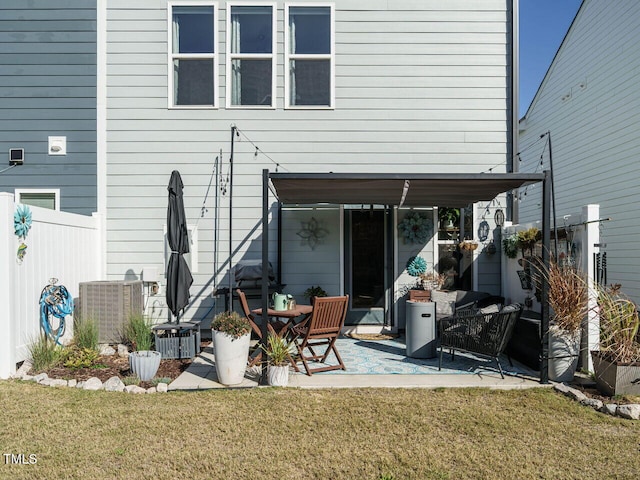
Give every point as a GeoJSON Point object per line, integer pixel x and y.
{"type": "Point", "coordinates": [265, 268]}
{"type": "Point", "coordinates": [546, 245]}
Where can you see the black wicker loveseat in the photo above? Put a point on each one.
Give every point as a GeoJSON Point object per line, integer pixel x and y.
{"type": "Point", "coordinates": [480, 332]}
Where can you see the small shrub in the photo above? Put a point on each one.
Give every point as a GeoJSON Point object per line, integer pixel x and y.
{"type": "Point", "coordinates": [231, 323]}
{"type": "Point", "coordinates": [44, 353]}
{"type": "Point", "coordinates": [156, 380]}
{"type": "Point", "coordinates": [76, 357]}
{"type": "Point", "coordinates": [131, 380]}
{"type": "Point", "coordinates": [85, 333]}
{"type": "Point", "coordinates": [138, 333]}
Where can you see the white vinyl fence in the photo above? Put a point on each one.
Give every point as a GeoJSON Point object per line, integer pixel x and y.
{"type": "Point", "coordinates": [59, 245]}
{"type": "Point", "coordinates": [582, 237]}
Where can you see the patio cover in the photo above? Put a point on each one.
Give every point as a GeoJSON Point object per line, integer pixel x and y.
{"type": "Point", "coordinates": [411, 190]}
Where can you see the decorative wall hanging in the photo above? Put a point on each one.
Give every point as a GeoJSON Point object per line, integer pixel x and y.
{"type": "Point", "coordinates": [416, 227]}
{"type": "Point", "coordinates": [21, 227]}
{"type": "Point", "coordinates": [312, 233]}
{"type": "Point", "coordinates": [483, 231]}
{"type": "Point", "coordinates": [416, 266]}
{"type": "Point", "coordinates": [22, 221]}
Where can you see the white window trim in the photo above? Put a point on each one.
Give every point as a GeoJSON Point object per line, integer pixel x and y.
{"type": "Point", "coordinates": [254, 56]}
{"type": "Point", "coordinates": [331, 57]}
{"type": "Point", "coordinates": [56, 193]}
{"type": "Point", "coordinates": [171, 56]}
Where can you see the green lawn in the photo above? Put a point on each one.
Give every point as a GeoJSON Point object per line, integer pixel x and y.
{"type": "Point", "coordinates": [312, 434]}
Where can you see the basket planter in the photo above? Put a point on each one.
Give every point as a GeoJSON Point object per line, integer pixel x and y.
{"type": "Point", "coordinates": [278, 375]}
{"type": "Point", "coordinates": [564, 348]}
{"type": "Point", "coordinates": [614, 379]}
{"type": "Point", "coordinates": [230, 356]}
{"type": "Point", "coordinates": [144, 364]}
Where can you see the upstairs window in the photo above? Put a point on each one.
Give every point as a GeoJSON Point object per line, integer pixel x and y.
{"type": "Point", "coordinates": [309, 55]}
{"type": "Point", "coordinates": [193, 62]}
{"type": "Point", "coordinates": [251, 61]}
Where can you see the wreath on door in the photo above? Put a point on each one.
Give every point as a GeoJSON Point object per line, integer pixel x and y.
{"type": "Point", "coordinates": [416, 227]}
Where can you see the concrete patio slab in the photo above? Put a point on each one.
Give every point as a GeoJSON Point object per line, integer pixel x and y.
{"type": "Point", "coordinates": [201, 375]}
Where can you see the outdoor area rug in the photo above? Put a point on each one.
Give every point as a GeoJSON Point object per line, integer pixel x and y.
{"type": "Point", "coordinates": [369, 357]}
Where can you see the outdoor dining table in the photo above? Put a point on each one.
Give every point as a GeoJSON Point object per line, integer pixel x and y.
{"type": "Point", "coordinates": [293, 315]}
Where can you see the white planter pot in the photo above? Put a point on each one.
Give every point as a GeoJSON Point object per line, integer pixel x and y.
{"type": "Point", "coordinates": [564, 348]}
{"type": "Point", "coordinates": [144, 364]}
{"type": "Point", "coordinates": [231, 356]}
{"type": "Point", "coordinates": [278, 376]}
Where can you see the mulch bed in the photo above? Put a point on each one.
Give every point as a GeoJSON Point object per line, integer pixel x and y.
{"type": "Point", "coordinates": [113, 365]}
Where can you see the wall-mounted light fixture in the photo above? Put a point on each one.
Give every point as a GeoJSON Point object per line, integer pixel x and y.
{"type": "Point", "coordinates": [16, 156]}
{"type": "Point", "coordinates": [498, 217]}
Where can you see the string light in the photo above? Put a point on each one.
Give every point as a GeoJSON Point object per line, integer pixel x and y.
{"type": "Point", "coordinates": [259, 151]}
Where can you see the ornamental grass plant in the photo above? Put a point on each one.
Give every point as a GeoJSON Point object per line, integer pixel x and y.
{"type": "Point", "coordinates": [619, 326]}
{"type": "Point", "coordinates": [85, 333]}
{"type": "Point", "coordinates": [278, 350]}
{"type": "Point", "coordinates": [45, 353]}
{"type": "Point", "coordinates": [138, 333]}
{"type": "Point", "coordinates": [568, 296]}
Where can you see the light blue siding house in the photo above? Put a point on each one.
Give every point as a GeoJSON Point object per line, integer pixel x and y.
{"type": "Point", "coordinates": [375, 86]}
{"type": "Point", "coordinates": [48, 102]}
{"type": "Point", "coordinates": [348, 86]}
{"type": "Point", "coordinates": [589, 101]}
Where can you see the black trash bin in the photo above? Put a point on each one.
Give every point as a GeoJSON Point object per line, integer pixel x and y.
{"type": "Point", "coordinates": [421, 329]}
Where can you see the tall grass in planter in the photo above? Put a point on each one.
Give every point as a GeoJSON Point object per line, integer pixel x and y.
{"type": "Point", "coordinates": [143, 361]}
{"type": "Point", "coordinates": [568, 299]}
{"type": "Point", "coordinates": [278, 351]}
{"type": "Point", "coordinates": [617, 363]}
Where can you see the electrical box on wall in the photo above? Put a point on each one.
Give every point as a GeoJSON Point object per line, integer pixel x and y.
{"type": "Point", "coordinates": [16, 156]}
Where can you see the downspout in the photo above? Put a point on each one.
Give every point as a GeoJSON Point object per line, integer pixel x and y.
{"type": "Point", "coordinates": [515, 100]}
{"type": "Point", "coordinates": [101, 136]}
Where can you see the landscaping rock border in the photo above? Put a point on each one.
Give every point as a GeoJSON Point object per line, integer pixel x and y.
{"type": "Point", "coordinates": [114, 384]}
{"type": "Point", "coordinates": [630, 411]}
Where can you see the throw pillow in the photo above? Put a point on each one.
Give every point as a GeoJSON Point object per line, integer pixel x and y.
{"type": "Point", "coordinates": [445, 302]}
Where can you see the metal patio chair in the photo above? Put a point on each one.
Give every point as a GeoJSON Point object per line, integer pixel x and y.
{"type": "Point", "coordinates": [485, 334]}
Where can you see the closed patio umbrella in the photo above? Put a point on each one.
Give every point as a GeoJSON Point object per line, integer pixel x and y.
{"type": "Point", "coordinates": [179, 277]}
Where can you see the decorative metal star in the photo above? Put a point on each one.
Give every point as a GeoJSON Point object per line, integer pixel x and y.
{"type": "Point", "coordinates": [312, 233]}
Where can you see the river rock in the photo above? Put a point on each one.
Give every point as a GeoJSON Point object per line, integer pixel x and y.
{"type": "Point", "coordinates": [107, 350]}
{"type": "Point", "coordinates": [114, 384]}
{"type": "Point", "coordinates": [94, 383]}
{"type": "Point", "coordinates": [631, 411]}
{"type": "Point", "coordinates": [162, 388]}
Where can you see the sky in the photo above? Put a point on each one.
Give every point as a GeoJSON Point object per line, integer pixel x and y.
{"type": "Point", "coordinates": [543, 25]}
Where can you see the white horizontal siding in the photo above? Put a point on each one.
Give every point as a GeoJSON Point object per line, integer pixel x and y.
{"type": "Point", "coordinates": [594, 131]}
{"type": "Point", "coordinates": [420, 86]}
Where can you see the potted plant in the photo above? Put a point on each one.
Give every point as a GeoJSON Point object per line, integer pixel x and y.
{"type": "Point", "coordinates": [448, 217]}
{"type": "Point", "coordinates": [617, 363]}
{"type": "Point", "coordinates": [314, 291]}
{"type": "Point", "coordinates": [143, 361]}
{"type": "Point", "coordinates": [278, 351]}
{"type": "Point", "coordinates": [568, 299]}
{"type": "Point", "coordinates": [231, 338]}
{"type": "Point", "coordinates": [527, 240]}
